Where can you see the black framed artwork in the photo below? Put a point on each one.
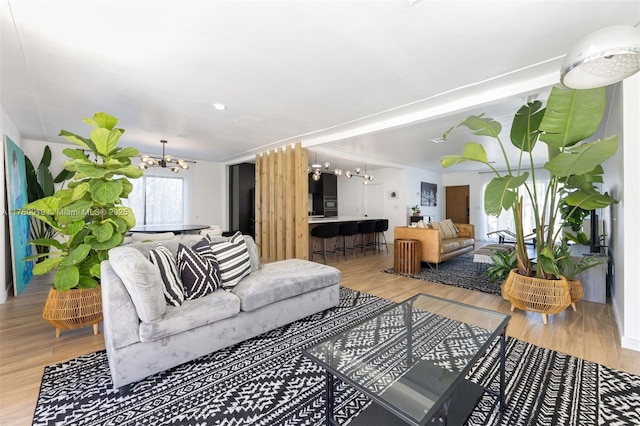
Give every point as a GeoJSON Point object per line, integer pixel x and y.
{"type": "Point", "coordinates": [428, 194]}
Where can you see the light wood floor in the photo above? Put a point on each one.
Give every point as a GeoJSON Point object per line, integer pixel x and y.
{"type": "Point", "coordinates": [28, 343]}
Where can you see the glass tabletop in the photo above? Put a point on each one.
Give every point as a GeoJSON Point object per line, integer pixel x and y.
{"type": "Point", "coordinates": [411, 357]}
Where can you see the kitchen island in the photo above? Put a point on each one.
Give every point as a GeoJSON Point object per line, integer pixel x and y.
{"type": "Point", "coordinates": [339, 219]}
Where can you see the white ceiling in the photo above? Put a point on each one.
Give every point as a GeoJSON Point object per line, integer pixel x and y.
{"type": "Point", "coordinates": [356, 81]}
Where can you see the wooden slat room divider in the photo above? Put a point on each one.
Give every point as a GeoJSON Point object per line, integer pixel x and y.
{"type": "Point", "coordinates": [282, 186]}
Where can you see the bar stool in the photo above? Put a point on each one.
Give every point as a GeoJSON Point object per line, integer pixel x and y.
{"type": "Point", "coordinates": [382, 225]}
{"type": "Point", "coordinates": [325, 231]}
{"type": "Point", "coordinates": [348, 229]}
{"type": "Point", "coordinates": [366, 229]}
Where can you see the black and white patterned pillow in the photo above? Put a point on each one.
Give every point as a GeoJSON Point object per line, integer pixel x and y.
{"type": "Point", "coordinates": [198, 270]}
{"type": "Point", "coordinates": [166, 262]}
{"type": "Point", "coordinates": [233, 259]}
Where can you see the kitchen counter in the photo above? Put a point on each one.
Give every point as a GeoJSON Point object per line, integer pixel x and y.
{"type": "Point", "coordinates": [337, 219]}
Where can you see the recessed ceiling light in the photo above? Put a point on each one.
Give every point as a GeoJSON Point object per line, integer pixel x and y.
{"type": "Point", "coordinates": [438, 140]}
{"type": "Point", "coordinates": [220, 107]}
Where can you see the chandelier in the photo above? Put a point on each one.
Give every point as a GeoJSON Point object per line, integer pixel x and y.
{"type": "Point", "coordinates": [316, 171]}
{"type": "Point", "coordinates": [165, 161]}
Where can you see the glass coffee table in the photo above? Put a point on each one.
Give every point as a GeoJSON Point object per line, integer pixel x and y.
{"type": "Point", "coordinates": [411, 361]}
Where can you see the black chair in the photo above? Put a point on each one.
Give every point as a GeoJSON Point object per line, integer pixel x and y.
{"type": "Point", "coordinates": [325, 231]}
{"type": "Point", "coordinates": [350, 230]}
{"type": "Point", "coordinates": [382, 225]}
{"type": "Point", "coordinates": [367, 230]}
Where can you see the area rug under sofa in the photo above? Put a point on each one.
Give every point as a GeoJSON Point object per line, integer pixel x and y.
{"type": "Point", "coordinates": [266, 381]}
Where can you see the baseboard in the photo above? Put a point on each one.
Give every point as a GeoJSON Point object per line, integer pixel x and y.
{"type": "Point", "coordinates": [630, 343]}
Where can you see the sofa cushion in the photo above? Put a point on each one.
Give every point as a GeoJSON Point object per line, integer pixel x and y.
{"type": "Point", "coordinates": [449, 245]}
{"type": "Point", "coordinates": [447, 229]}
{"type": "Point", "coordinates": [142, 280]}
{"type": "Point", "coordinates": [465, 242]}
{"type": "Point", "coordinates": [251, 248]}
{"type": "Point", "coordinates": [233, 259]}
{"type": "Point", "coordinates": [164, 260]}
{"type": "Point", "coordinates": [282, 280]}
{"type": "Point", "coordinates": [195, 313]}
{"type": "Point", "coordinates": [198, 270]}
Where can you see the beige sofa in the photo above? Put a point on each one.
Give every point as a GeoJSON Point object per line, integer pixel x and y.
{"type": "Point", "coordinates": [433, 248]}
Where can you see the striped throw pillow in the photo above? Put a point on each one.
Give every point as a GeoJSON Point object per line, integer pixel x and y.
{"type": "Point", "coordinates": [233, 259]}
{"type": "Point", "coordinates": [198, 270]}
{"type": "Point", "coordinates": [164, 260]}
{"type": "Point", "coordinates": [447, 229]}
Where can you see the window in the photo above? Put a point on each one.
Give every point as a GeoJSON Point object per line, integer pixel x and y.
{"type": "Point", "coordinates": [157, 200]}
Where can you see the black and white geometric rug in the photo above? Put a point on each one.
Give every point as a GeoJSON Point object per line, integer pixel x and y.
{"type": "Point", "coordinates": [266, 381]}
{"type": "Point", "coordinates": [459, 272]}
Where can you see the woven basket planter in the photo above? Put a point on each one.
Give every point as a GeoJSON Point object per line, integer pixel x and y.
{"type": "Point", "coordinates": [75, 308]}
{"type": "Point", "coordinates": [534, 294]}
{"type": "Point", "coordinates": [576, 291]}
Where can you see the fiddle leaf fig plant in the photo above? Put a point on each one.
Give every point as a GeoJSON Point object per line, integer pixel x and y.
{"type": "Point", "coordinates": [574, 165]}
{"type": "Point", "coordinates": [88, 214]}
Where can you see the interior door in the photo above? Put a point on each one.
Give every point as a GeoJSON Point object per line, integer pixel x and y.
{"type": "Point", "coordinates": [374, 200]}
{"type": "Point", "coordinates": [457, 203]}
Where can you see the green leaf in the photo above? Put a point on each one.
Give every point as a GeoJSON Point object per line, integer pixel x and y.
{"type": "Point", "coordinates": [114, 241]}
{"type": "Point", "coordinates": [73, 228]}
{"type": "Point", "coordinates": [524, 130]}
{"type": "Point", "coordinates": [76, 154]}
{"type": "Point", "coordinates": [102, 119]}
{"type": "Point", "coordinates": [500, 193]}
{"type": "Point", "coordinates": [125, 214]}
{"type": "Point", "coordinates": [66, 278]}
{"type": "Point", "coordinates": [46, 157]}
{"type": "Point", "coordinates": [472, 152]}
{"type": "Point", "coordinates": [127, 152]}
{"type": "Point", "coordinates": [121, 225]}
{"type": "Point", "coordinates": [105, 139]}
{"type": "Point", "coordinates": [547, 260]}
{"type": "Point", "coordinates": [572, 115]}
{"type": "Point", "coordinates": [50, 242]}
{"type": "Point", "coordinates": [589, 200]}
{"type": "Point", "coordinates": [91, 170]}
{"type": "Point", "coordinates": [102, 232]}
{"type": "Point", "coordinates": [79, 191]}
{"type": "Point", "coordinates": [95, 270]}
{"type": "Point", "coordinates": [483, 126]}
{"type": "Point", "coordinates": [127, 187]}
{"type": "Point", "coordinates": [45, 179]}
{"type": "Point", "coordinates": [105, 192]}
{"type": "Point", "coordinates": [87, 282]}
{"type": "Point", "coordinates": [129, 171]}
{"type": "Point", "coordinates": [79, 140]}
{"type": "Point", "coordinates": [73, 212]}
{"type": "Point", "coordinates": [64, 175]}
{"type": "Point", "coordinates": [76, 255]}
{"type": "Point", "coordinates": [46, 265]}
{"type": "Point", "coordinates": [43, 207]}
{"type": "Point", "coordinates": [583, 158]}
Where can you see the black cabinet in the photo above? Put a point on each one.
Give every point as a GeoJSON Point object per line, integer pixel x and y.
{"type": "Point", "coordinates": [242, 184]}
{"type": "Point", "coordinates": [326, 186]}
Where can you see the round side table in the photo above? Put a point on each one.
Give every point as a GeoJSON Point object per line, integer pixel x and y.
{"type": "Point", "coordinates": [406, 256]}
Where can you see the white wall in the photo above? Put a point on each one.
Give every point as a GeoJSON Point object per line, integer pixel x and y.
{"type": "Point", "coordinates": [7, 127]}
{"type": "Point", "coordinates": [405, 182]}
{"type": "Point", "coordinates": [626, 304]}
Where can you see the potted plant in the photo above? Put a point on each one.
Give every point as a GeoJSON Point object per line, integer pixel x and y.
{"type": "Point", "coordinates": [416, 210]}
{"type": "Point", "coordinates": [88, 214]}
{"type": "Point", "coordinates": [571, 116]}
{"type": "Point", "coordinates": [570, 268]}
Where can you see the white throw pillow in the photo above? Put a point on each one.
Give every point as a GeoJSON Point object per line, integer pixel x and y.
{"type": "Point", "coordinates": [233, 259]}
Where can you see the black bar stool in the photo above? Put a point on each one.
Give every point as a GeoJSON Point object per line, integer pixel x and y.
{"type": "Point", "coordinates": [366, 230]}
{"type": "Point", "coordinates": [325, 231]}
{"type": "Point", "coordinates": [382, 225]}
{"type": "Point", "coordinates": [348, 229]}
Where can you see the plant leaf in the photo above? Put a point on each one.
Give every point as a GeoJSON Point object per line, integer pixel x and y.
{"type": "Point", "coordinates": [102, 231]}
{"type": "Point", "coordinates": [114, 241]}
{"type": "Point", "coordinates": [482, 126]}
{"type": "Point", "coordinates": [48, 242]}
{"type": "Point", "coordinates": [76, 154]}
{"type": "Point", "coordinates": [583, 158]}
{"type": "Point", "coordinates": [500, 193]}
{"type": "Point", "coordinates": [76, 255]}
{"type": "Point", "coordinates": [46, 265]}
{"type": "Point", "coordinates": [127, 152]}
{"type": "Point", "coordinates": [525, 126]}
{"type": "Point", "coordinates": [78, 140]}
{"type": "Point", "coordinates": [129, 171]}
{"type": "Point", "coordinates": [102, 119]}
{"type": "Point", "coordinates": [105, 192]}
{"type": "Point", "coordinates": [91, 170]}
{"type": "Point", "coordinates": [105, 139]}
{"type": "Point", "coordinates": [589, 200]}
{"type": "Point", "coordinates": [572, 115]}
{"type": "Point", "coordinates": [66, 278]}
